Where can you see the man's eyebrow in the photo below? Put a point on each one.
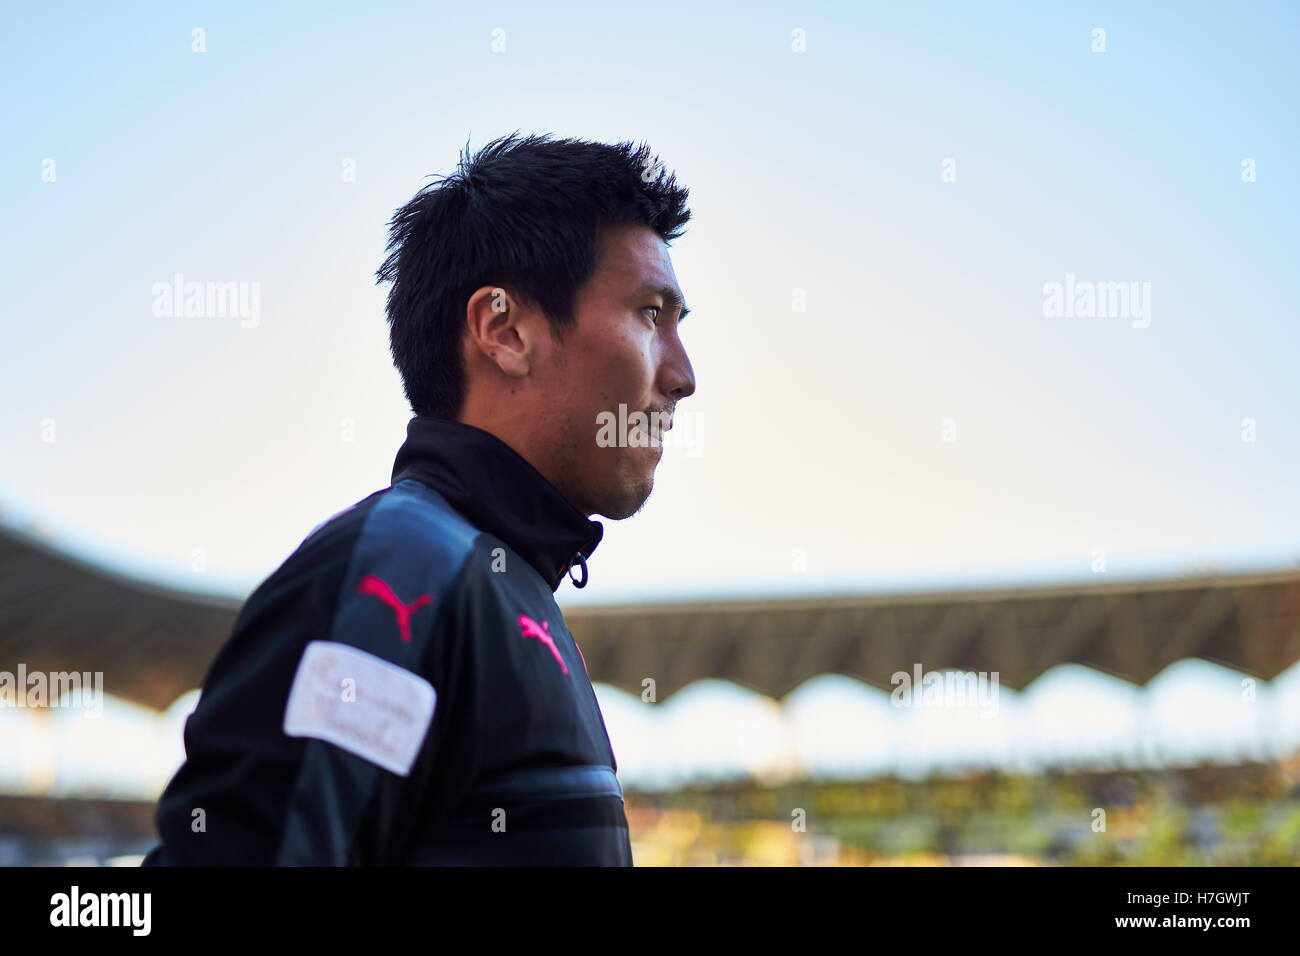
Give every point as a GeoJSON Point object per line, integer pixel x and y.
{"type": "Point", "coordinates": [672, 298]}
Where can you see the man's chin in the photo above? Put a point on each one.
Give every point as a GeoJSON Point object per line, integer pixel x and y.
{"type": "Point", "coordinates": [629, 502]}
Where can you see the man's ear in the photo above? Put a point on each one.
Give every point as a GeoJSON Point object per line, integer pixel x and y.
{"type": "Point", "coordinates": [496, 321]}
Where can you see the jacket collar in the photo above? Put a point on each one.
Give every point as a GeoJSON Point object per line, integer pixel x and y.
{"type": "Point", "coordinates": [498, 491]}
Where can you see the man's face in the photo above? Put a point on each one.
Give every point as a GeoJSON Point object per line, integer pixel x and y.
{"type": "Point", "coordinates": [623, 350]}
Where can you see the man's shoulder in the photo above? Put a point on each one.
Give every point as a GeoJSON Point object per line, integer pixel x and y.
{"type": "Point", "coordinates": [403, 529]}
{"type": "Point", "coordinates": [359, 573]}
{"type": "Point", "coordinates": [407, 532]}
{"type": "Point", "coordinates": [407, 519]}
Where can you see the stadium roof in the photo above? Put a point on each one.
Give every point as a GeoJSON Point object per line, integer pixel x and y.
{"type": "Point", "coordinates": [154, 644]}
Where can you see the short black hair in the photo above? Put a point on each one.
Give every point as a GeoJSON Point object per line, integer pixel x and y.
{"type": "Point", "coordinates": [524, 212]}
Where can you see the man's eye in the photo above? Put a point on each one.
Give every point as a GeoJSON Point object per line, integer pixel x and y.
{"type": "Point", "coordinates": [655, 309]}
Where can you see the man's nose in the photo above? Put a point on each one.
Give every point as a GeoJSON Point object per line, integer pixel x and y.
{"type": "Point", "coordinates": [677, 378]}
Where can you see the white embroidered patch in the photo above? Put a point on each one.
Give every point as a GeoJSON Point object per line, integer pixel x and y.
{"type": "Point", "coordinates": [360, 702]}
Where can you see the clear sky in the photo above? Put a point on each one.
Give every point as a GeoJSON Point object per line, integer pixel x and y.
{"type": "Point", "coordinates": [921, 422]}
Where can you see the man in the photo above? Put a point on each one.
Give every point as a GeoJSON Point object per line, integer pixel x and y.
{"type": "Point", "coordinates": [403, 689]}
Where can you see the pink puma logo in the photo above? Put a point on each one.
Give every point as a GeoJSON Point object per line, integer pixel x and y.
{"type": "Point", "coordinates": [542, 632]}
{"type": "Point", "coordinates": [380, 589]}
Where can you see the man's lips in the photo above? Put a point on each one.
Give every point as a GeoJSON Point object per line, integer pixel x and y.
{"type": "Point", "coordinates": [659, 427]}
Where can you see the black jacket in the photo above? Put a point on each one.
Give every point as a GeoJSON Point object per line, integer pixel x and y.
{"type": "Point", "coordinates": [403, 689]}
